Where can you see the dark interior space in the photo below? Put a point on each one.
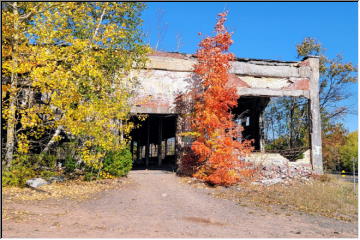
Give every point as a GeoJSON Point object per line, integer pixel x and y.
{"type": "Point", "coordinates": [248, 113]}
{"type": "Point", "coordinates": [153, 142]}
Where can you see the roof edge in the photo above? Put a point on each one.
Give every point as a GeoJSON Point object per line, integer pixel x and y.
{"type": "Point", "coordinates": [188, 56]}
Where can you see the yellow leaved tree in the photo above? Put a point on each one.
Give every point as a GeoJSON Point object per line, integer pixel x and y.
{"type": "Point", "coordinates": [65, 69]}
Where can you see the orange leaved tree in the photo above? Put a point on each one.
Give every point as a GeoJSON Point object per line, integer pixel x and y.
{"type": "Point", "coordinates": [217, 146]}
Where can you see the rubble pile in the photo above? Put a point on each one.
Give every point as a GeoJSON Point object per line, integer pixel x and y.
{"type": "Point", "coordinates": [274, 168]}
{"type": "Point", "coordinates": [284, 173]}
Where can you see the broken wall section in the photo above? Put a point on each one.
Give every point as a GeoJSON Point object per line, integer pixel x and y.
{"type": "Point", "coordinates": [167, 75]}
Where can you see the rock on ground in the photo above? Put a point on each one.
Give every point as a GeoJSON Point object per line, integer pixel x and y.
{"type": "Point", "coordinates": [36, 182]}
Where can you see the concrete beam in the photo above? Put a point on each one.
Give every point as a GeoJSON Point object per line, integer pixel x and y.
{"type": "Point", "coordinates": [250, 69]}
{"type": "Point", "coordinates": [170, 64]}
{"type": "Point", "coordinates": [245, 68]}
{"type": "Point", "coordinates": [259, 92]}
{"type": "Point", "coordinates": [154, 109]}
{"type": "Point", "coordinates": [272, 92]}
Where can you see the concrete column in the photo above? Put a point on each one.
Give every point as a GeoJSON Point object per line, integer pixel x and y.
{"type": "Point", "coordinates": [159, 141]}
{"type": "Point", "coordinates": [263, 102]}
{"type": "Point", "coordinates": [179, 145]}
{"type": "Point", "coordinates": [138, 151]}
{"type": "Point", "coordinates": [261, 132]}
{"type": "Point", "coordinates": [147, 146]}
{"type": "Point", "coordinates": [315, 131]}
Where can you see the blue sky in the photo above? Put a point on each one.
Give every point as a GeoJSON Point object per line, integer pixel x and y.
{"type": "Point", "coordinates": [261, 30]}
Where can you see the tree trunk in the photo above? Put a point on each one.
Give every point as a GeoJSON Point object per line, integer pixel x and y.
{"type": "Point", "coordinates": [53, 139]}
{"type": "Point", "coordinates": [121, 132]}
{"type": "Point", "coordinates": [11, 121]}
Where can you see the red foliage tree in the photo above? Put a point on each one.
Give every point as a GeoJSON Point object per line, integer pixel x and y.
{"type": "Point", "coordinates": [218, 151]}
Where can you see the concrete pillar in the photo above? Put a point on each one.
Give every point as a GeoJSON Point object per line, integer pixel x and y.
{"type": "Point", "coordinates": [179, 144]}
{"type": "Point", "coordinates": [159, 141]}
{"type": "Point", "coordinates": [263, 103]}
{"type": "Point", "coordinates": [147, 146]}
{"type": "Point", "coordinates": [138, 151]}
{"type": "Point", "coordinates": [315, 119]}
{"type": "Point", "coordinates": [261, 132]}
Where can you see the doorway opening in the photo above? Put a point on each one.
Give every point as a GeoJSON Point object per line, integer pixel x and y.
{"type": "Point", "coordinates": [249, 113]}
{"type": "Point", "coordinates": [153, 143]}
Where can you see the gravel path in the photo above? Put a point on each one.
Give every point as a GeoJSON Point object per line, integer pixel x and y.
{"type": "Point", "coordinates": [157, 204]}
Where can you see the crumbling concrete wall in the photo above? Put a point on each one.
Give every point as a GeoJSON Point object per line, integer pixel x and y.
{"type": "Point", "coordinates": [167, 75]}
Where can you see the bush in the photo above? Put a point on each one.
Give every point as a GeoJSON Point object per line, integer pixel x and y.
{"type": "Point", "coordinates": [70, 164]}
{"type": "Point", "coordinates": [17, 175]}
{"type": "Point", "coordinates": [90, 176]}
{"type": "Point", "coordinates": [20, 171]}
{"type": "Point", "coordinates": [46, 174]}
{"type": "Point", "coordinates": [188, 163]}
{"type": "Point", "coordinates": [43, 161]}
{"type": "Point", "coordinates": [118, 163]}
{"type": "Point", "coordinates": [25, 167]}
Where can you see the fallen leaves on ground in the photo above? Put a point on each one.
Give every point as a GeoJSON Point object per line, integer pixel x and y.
{"type": "Point", "coordinates": [73, 189]}
{"type": "Point", "coordinates": [17, 215]}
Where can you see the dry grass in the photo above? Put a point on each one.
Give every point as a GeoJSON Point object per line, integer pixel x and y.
{"type": "Point", "coordinates": [75, 189]}
{"type": "Point", "coordinates": [333, 197]}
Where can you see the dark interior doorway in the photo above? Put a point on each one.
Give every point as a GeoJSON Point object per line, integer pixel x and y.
{"type": "Point", "coordinates": [153, 142]}
{"type": "Point", "coordinates": [249, 113]}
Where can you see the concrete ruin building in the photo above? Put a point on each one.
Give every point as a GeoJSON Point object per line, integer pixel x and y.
{"type": "Point", "coordinates": [167, 75]}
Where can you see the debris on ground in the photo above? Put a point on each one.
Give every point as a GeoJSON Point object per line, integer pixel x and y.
{"type": "Point", "coordinates": [36, 182]}
{"type": "Point", "coordinates": [274, 168]}
{"type": "Point", "coordinates": [56, 179]}
{"type": "Point", "coordinates": [284, 173]}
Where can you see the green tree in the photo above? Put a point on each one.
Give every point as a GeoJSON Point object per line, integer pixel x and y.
{"type": "Point", "coordinates": [349, 152]}
{"type": "Point", "coordinates": [335, 76]}
{"type": "Point", "coordinates": [334, 138]}
{"type": "Point", "coordinates": [66, 69]}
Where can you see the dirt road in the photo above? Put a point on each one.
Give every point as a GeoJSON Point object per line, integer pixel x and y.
{"type": "Point", "coordinates": [157, 204]}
